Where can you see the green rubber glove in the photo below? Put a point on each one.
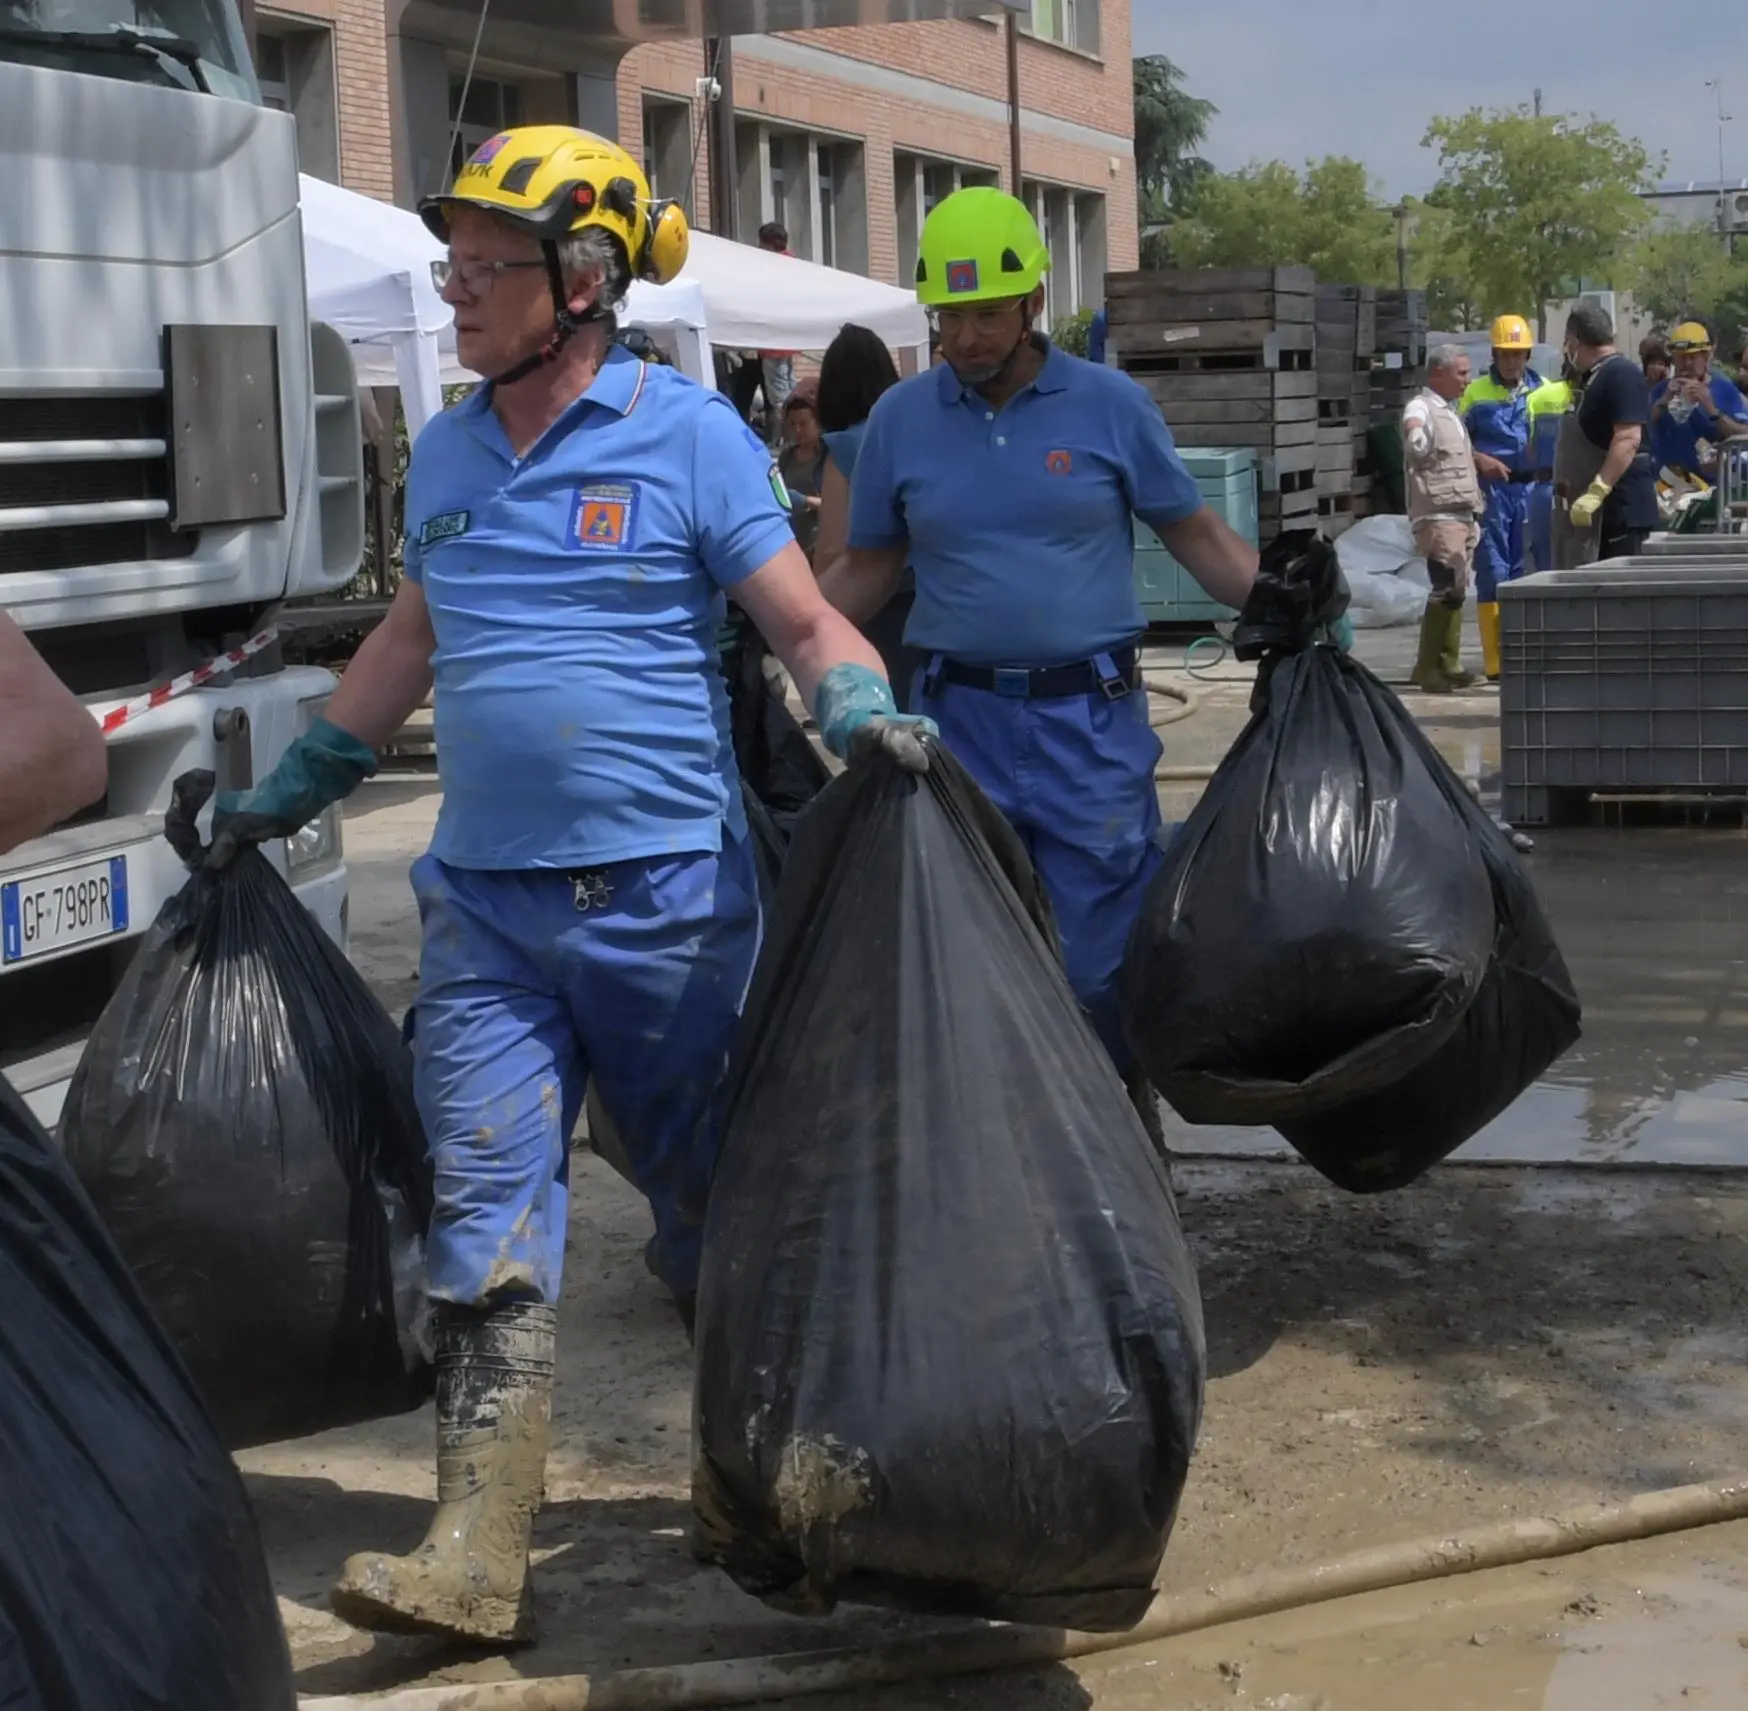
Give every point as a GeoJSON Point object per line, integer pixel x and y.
{"type": "Point", "coordinates": [856, 714]}
{"type": "Point", "coordinates": [1588, 503]}
{"type": "Point", "coordinates": [323, 766]}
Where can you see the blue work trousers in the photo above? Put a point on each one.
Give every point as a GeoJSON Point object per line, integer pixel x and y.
{"type": "Point", "coordinates": [531, 982]}
{"type": "Point", "coordinates": [1074, 776]}
{"type": "Point", "coordinates": [1499, 556]}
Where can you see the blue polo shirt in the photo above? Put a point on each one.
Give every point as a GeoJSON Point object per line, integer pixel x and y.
{"type": "Point", "coordinates": [1675, 439]}
{"type": "Point", "coordinates": [1019, 521]}
{"type": "Point", "coordinates": [575, 593]}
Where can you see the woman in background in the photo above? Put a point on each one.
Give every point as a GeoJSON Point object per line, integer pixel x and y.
{"type": "Point", "coordinates": [856, 369]}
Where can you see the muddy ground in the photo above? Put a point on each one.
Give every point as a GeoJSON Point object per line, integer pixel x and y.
{"type": "Point", "coordinates": [1494, 1342]}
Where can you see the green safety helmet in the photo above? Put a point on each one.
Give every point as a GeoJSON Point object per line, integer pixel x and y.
{"type": "Point", "coordinates": [979, 245]}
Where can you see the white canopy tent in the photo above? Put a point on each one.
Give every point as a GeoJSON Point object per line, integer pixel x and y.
{"type": "Point", "coordinates": [368, 266]}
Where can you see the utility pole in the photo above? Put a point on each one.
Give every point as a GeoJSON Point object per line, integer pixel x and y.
{"type": "Point", "coordinates": [1013, 47]}
{"type": "Point", "coordinates": [1716, 86]}
{"type": "Point", "coordinates": [1538, 103]}
{"type": "Point", "coordinates": [719, 119]}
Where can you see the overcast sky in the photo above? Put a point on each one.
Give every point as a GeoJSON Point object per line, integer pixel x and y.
{"type": "Point", "coordinates": [1299, 78]}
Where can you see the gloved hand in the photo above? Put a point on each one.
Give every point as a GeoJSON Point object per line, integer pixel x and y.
{"type": "Point", "coordinates": [1588, 503]}
{"type": "Point", "coordinates": [321, 767]}
{"type": "Point", "coordinates": [856, 713]}
{"type": "Point", "coordinates": [1341, 633]}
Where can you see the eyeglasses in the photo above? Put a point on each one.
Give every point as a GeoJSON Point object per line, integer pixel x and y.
{"type": "Point", "coordinates": [476, 277]}
{"type": "Point", "coordinates": [988, 319]}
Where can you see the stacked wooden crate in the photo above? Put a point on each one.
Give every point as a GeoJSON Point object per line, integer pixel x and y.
{"type": "Point", "coordinates": [1346, 334]}
{"type": "Point", "coordinates": [1399, 362]}
{"type": "Point", "coordinates": [1229, 354]}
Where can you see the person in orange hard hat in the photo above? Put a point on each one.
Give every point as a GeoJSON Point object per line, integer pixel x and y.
{"type": "Point", "coordinates": [1500, 408]}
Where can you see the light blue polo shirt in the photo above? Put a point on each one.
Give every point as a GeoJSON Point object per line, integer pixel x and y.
{"type": "Point", "coordinates": [575, 593]}
{"type": "Point", "coordinates": [1019, 521]}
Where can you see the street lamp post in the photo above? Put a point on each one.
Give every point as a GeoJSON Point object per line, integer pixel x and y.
{"type": "Point", "coordinates": [1716, 86]}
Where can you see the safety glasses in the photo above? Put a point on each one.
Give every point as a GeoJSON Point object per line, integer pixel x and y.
{"type": "Point", "coordinates": [476, 278]}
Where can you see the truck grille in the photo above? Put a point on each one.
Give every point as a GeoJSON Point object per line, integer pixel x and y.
{"type": "Point", "coordinates": [85, 481]}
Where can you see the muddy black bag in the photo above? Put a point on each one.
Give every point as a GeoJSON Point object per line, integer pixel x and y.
{"type": "Point", "coordinates": [131, 1574]}
{"type": "Point", "coordinates": [950, 1352]}
{"type": "Point", "coordinates": [243, 1119]}
{"type": "Point", "coordinates": [1324, 917]}
{"type": "Point", "coordinates": [1525, 1016]}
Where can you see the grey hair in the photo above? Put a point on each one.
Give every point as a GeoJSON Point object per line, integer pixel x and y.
{"type": "Point", "coordinates": [1589, 324]}
{"type": "Point", "coordinates": [596, 253]}
{"type": "Point", "coordinates": [1445, 356]}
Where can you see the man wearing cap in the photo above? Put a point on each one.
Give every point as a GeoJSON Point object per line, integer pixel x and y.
{"type": "Point", "coordinates": [1009, 478]}
{"type": "Point", "coordinates": [1694, 411]}
{"type": "Point", "coordinates": [1500, 409]}
{"type": "Point", "coordinates": [589, 902]}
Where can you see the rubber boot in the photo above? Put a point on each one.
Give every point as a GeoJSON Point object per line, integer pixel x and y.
{"type": "Point", "coordinates": [1451, 654]}
{"type": "Point", "coordinates": [1487, 614]}
{"type": "Point", "coordinates": [469, 1579]}
{"type": "Point", "coordinates": [1429, 672]}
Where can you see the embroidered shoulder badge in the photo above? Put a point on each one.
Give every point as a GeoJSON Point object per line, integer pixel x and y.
{"type": "Point", "coordinates": [444, 528]}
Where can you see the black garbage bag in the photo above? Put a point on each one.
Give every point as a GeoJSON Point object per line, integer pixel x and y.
{"type": "Point", "coordinates": [777, 762]}
{"type": "Point", "coordinates": [1525, 1016]}
{"type": "Point", "coordinates": [131, 1574]}
{"type": "Point", "coordinates": [950, 1351]}
{"type": "Point", "coordinates": [1324, 917]}
{"type": "Point", "coordinates": [243, 1119]}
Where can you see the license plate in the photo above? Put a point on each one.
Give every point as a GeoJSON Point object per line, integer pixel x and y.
{"type": "Point", "coordinates": [55, 911]}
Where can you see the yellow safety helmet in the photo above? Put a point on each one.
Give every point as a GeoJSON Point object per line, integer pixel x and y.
{"type": "Point", "coordinates": [1690, 336]}
{"type": "Point", "coordinates": [979, 245]}
{"type": "Point", "coordinates": [553, 181]}
{"type": "Point", "coordinates": [1512, 333]}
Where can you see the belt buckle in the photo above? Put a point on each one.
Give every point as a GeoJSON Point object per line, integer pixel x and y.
{"type": "Point", "coordinates": [1115, 688]}
{"type": "Point", "coordinates": [591, 888]}
{"type": "Point", "coordinates": [1014, 681]}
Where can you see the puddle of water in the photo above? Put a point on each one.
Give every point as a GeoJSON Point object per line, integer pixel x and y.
{"type": "Point", "coordinates": [1654, 926]}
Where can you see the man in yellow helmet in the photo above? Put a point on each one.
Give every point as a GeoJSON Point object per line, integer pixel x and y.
{"type": "Point", "coordinates": [1008, 479]}
{"type": "Point", "coordinates": [1501, 408]}
{"type": "Point", "coordinates": [589, 900]}
{"type": "Point", "coordinates": [1694, 411]}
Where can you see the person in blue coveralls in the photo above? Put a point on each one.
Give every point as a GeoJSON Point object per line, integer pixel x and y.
{"type": "Point", "coordinates": [589, 902]}
{"type": "Point", "coordinates": [1694, 405]}
{"type": "Point", "coordinates": [1009, 478]}
{"type": "Point", "coordinates": [1501, 409]}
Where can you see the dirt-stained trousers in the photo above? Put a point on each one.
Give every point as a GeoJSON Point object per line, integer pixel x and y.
{"type": "Point", "coordinates": [531, 982]}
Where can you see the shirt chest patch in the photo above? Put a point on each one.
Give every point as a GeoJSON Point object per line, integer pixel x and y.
{"type": "Point", "coordinates": [443, 528]}
{"type": "Point", "coordinates": [1059, 462]}
{"type": "Point", "coordinates": [604, 517]}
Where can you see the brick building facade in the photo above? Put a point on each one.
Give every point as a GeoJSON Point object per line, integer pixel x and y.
{"type": "Point", "coordinates": [847, 136]}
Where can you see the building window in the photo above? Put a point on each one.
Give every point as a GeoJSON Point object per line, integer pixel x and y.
{"type": "Point", "coordinates": [1073, 224]}
{"type": "Point", "coordinates": [294, 64]}
{"type": "Point", "coordinates": [668, 158]}
{"type": "Point", "coordinates": [811, 185]}
{"type": "Point", "coordinates": [1073, 23]}
{"type": "Point", "coordinates": [490, 107]}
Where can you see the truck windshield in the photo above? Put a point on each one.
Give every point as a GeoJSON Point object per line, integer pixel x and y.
{"type": "Point", "coordinates": [193, 44]}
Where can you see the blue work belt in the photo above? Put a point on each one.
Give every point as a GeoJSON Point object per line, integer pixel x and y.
{"type": "Point", "coordinates": [1112, 675]}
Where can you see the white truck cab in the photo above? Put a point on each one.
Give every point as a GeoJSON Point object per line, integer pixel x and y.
{"type": "Point", "coordinates": [180, 453]}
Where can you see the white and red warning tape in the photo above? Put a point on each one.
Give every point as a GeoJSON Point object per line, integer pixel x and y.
{"type": "Point", "coordinates": [111, 719]}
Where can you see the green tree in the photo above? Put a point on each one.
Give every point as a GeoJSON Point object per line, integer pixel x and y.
{"type": "Point", "coordinates": [1439, 265]}
{"type": "Point", "coordinates": [1680, 273]}
{"type": "Point", "coordinates": [1170, 126]}
{"type": "Point", "coordinates": [1537, 201]}
{"type": "Point", "coordinates": [1268, 215]}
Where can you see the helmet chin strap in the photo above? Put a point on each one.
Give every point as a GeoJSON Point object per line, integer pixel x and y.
{"type": "Point", "coordinates": [566, 321]}
{"type": "Point", "coordinates": [980, 377]}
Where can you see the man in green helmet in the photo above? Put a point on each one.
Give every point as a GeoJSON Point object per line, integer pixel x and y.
{"type": "Point", "coordinates": [1008, 478]}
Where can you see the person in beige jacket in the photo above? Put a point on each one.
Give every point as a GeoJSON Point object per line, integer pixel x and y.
{"type": "Point", "coordinates": [1444, 503]}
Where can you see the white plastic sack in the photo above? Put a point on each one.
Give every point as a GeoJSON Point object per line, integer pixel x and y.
{"type": "Point", "coordinates": [1378, 546]}
{"type": "Point", "coordinates": [1382, 602]}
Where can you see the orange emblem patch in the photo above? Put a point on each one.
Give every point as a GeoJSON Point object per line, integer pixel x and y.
{"type": "Point", "coordinates": [1058, 463]}
{"type": "Point", "coordinates": [604, 517]}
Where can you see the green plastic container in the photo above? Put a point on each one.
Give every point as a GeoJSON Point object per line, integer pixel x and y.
{"type": "Point", "coordinates": [1169, 594]}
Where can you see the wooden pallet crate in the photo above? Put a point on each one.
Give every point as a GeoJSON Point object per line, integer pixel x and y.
{"type": "Point", "coordinates": [1212, 319]}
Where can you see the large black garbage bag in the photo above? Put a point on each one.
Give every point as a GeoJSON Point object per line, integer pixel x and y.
{"type": "Point", "coordinates": [1324, 917]}
{"type": "Point", "coordinates": [777, 762]}
{"type": "Point", "coordinates": [1525, 1016]}
{"type": "Point", "coordinates": [131, 1574]}
{"type": "Point", "coordinates": [243, 1119]}
{"type": "Point", "coordinates": [950, 1352]}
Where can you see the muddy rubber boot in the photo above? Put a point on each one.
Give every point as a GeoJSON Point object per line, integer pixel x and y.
{"type": "Point", "coordinates": [469, 1579]}
{"type": "Point", "coordinates": [1428, 675]}
{"type": "Point", "coordinates": [1450, 657]}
